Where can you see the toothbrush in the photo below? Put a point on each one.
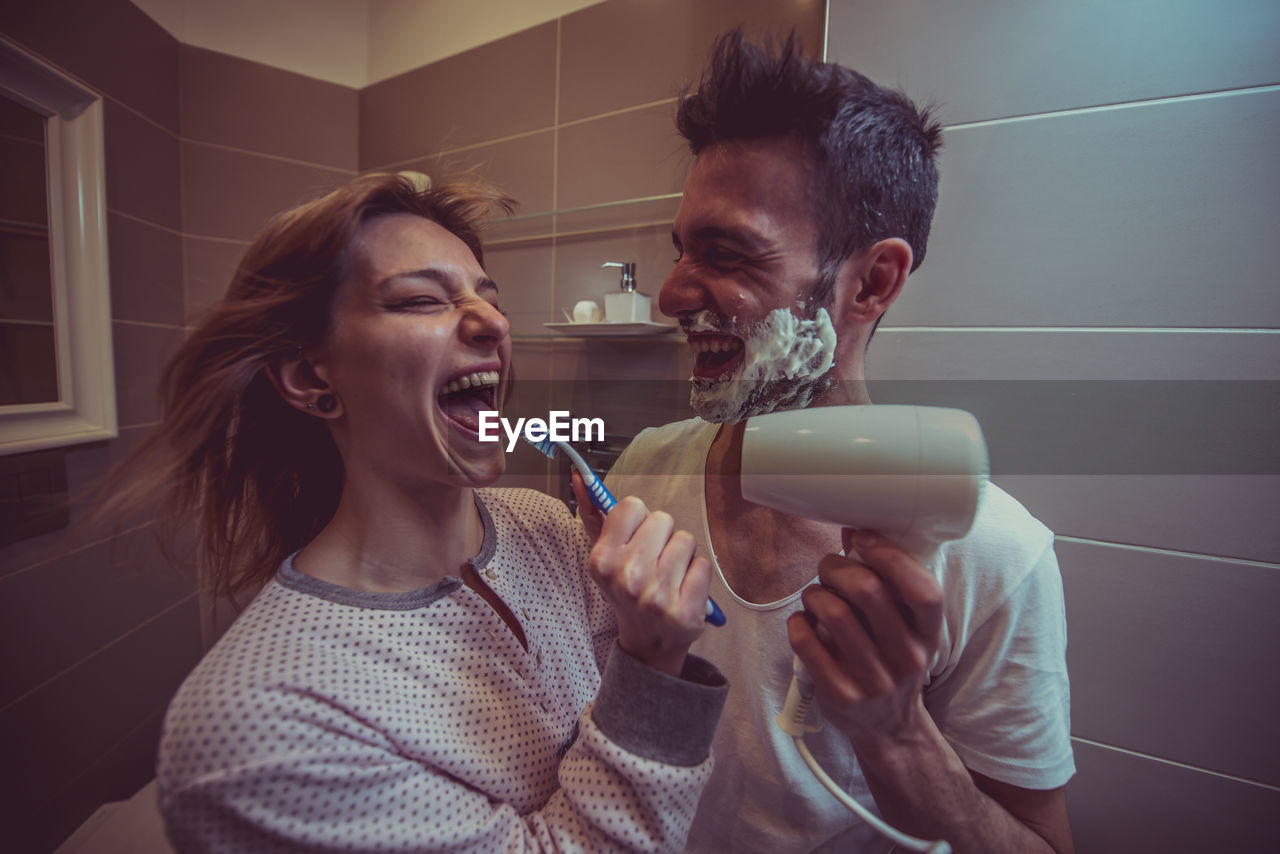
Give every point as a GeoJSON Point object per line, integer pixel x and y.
{"type": "Point", "coordinates": [603, 499]}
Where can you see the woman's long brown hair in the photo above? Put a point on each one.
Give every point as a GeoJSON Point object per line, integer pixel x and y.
{"type": "Point", "coordinates": [232, 464]}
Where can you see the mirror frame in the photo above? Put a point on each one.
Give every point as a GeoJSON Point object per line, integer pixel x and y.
{"type": "Point", "coordinates": [75, 177]}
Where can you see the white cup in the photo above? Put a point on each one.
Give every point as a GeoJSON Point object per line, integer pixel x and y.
{"type": "Point", "coordinates": [586, 311]}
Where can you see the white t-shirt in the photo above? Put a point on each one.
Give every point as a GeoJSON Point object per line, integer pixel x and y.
{"type": "Point", "coordinates": [997, 690]}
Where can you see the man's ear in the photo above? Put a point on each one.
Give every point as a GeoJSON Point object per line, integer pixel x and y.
{"type": "Point", "coordinates": [302, 386]}
{"type": "Point", "coordinates": [875, 277]}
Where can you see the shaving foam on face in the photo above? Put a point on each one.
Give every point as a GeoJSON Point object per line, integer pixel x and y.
{"type": "Point", "coordinates": [785, 366]}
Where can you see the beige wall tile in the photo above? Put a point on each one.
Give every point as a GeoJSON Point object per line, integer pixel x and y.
{"type": "Point", "coordinates": [520, 167]}
{"type": "Point", "coordinates": [523, 274]}
{"type": "Point", "coordinates": [628, 383]}
{"type": "Point", "coordinates": [1133, 658]}
{"type": "Point", "coordinates": [117, 775]}
{"type": "Point", "coordinates": [985, 59]}
{"type": "Point", "coordinates": [129, 574]}
{"type": "Point", "coordinates": [231, 194]}
{"type": "Point", "coordinates": [625, 156]}
{"type": "Point", "coordinates": [208, 266]}
{"type": "Point", "coordinates": [502, 88]}
{"type": "Point", "coordinates": [142, 168]}
{"type": "Point", "coordinates": [1121, 803]}
{"type": "Point", "coordinates": [146, 271]}
{"type": "Point", "coordinates": [1081, 221]}
{"type": "Point", "coordinates": [141, 352]}
{"type": "Point", "coordinates": [1087, 354]}
{"type": "Point", "coordinates": [579, 275]}
{"type": "Point", "coordinates": [112, 44]}
{"type": "Point", "coordinates": [73, 721]}
{"type": "Point", "coordinates": [627, 52]}
{"type": "Point", "coordinates": [242, 104]}
{"type": "Point", "coordinates": [1225, 515]}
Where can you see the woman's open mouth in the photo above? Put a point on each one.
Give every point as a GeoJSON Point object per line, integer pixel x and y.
{"type": "Point", "coordinates": [715, 355]}
{"type": "Point", "coordinates": [464, 398]}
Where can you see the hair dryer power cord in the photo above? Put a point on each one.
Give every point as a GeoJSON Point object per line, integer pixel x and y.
{"type": "Point", "coordinates": [793, 720]}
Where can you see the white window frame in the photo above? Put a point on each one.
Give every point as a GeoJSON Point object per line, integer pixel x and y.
{"type": "Point", "coordinates": [86, 408]}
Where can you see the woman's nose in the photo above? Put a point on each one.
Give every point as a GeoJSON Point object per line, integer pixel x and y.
{"type": "Point", "coordinates": [483, 322]}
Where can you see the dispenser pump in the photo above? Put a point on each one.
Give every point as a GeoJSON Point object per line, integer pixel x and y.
{"type": "Point", "coordinates": [626, 305]}
{"type": "Point", "coordinates": [628, 283]}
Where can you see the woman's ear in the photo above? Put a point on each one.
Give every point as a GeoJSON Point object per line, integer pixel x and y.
{"type": "Point", "coordinates": [874, 278]}
{"type": "Point", "coordinates": [302, 386]}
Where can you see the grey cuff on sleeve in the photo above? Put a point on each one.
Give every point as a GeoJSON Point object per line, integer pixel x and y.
{"type": "Point", "coordinates": [658, 716]}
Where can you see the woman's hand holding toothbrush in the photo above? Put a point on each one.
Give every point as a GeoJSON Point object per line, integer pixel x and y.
{"type": "Point", "coordinates": [648, 572]}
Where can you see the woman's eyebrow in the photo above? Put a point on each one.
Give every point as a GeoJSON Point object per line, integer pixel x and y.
{"type": "Point", "coordinates": [442, 277]}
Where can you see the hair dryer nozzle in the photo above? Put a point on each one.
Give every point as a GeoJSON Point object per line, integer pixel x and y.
{"type": "Point", "coordinates": [913, 472]}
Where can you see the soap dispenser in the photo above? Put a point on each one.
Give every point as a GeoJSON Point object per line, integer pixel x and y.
{"type": "Point", "coordinates": [627, 305]}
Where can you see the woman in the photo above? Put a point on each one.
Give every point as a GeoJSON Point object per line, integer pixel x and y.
{"type": "Point", "coordinates": [425, 667]}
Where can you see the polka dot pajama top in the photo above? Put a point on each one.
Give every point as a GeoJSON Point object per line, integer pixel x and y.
{"type": "Point", "coordinates": [331, 719]}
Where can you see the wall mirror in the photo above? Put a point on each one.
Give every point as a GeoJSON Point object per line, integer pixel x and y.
{"type": "Point", "coordinates": [57, 383]}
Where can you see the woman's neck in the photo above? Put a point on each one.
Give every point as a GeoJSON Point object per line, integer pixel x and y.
{"type": "Point", "coordinates": [386, 539]}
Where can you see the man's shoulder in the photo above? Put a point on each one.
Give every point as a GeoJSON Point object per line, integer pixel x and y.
{"type": "Point", "coordinates": [1005, 543]}
{"type": "Point", "coordinates": [670, 438]}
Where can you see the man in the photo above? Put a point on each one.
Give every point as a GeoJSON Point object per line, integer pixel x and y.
{"type": "Point", "coordinates": [943, 683]}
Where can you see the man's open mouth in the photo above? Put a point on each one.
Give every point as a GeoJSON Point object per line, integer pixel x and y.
{"type": "Point", "coordinates": [465, 397]}
{"type": "Point", "coordinates": [715, 355]}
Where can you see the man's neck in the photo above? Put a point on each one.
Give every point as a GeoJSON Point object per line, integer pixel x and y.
{"type": "Point", "coordinates": [764, 554]}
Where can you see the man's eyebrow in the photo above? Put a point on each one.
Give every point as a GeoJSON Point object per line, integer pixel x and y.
{"type": "Point", "coordinates": [741, 236]}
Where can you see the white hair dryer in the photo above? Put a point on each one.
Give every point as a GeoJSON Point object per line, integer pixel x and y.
{"type": "Point", "coordinates": [912, 473]}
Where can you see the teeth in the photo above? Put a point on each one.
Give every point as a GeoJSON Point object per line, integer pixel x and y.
{"type": "Point", "coordinates": [715, 345]}
{"type": "Point", "coordinates": [479, 378]}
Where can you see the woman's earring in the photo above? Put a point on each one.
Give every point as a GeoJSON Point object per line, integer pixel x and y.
{"type": "Point", "coordinates": [327, 403]}
{"type": "Point", "coordinates": [311, 405]}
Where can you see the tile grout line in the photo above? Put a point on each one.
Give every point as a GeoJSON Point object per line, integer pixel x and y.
{"type": "Point", "coordinates": [555, 174]}
{"type": "Point", "coordinates": [113, 642]}
{"type": "Point", "coordinates": [1206, 330]}
{"type": "Point", "coordinates": [1118, 105]}
{"type": "Point", "coordinates": [84, 772]}
{"type": "Point", "coordinates": [268, 156]}
{"type": "Point", "coordinates": [179, 137]}
{"type": "Point", "coordinates": [1175, 763]}
{"type": "Point", "coordinates": [148, 323]}
{"type": "Point", "coordinates": [1168, 552]}
{"type": "Point", "coordinates": [75, 550]}
{"type": "Point", "coordinates": [523, 134]}
{"type": "Point", "coordinates": [175, 232]}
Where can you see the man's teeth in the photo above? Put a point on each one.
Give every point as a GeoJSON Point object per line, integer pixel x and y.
{"type": "Point", "coordinates": [480, 378]}
{"type": "Point", "coordinates": [715, 345]}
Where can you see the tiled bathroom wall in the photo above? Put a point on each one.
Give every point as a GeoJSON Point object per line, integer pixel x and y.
{"type": "Point", "coordinates": [97, 633]}
{"type": "Point", "coordinates": [1104, 239]}
{"type": "Point", "coordinates": [574, 113]}
{"type": "Point", "coordinates": [201, 148]}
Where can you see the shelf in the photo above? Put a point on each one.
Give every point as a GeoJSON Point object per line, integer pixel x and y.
{"type": "Point", "coordinates": [586, 220]}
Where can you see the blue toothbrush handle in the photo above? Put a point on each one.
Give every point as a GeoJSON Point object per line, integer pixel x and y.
{"type": "Point", "coordinates": [604, 500]}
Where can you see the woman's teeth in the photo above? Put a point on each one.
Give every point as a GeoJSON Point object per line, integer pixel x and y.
{"type": "Point", "coordinates": [476, 380]}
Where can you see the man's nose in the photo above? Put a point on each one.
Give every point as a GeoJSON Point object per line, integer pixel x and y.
{"type": "Point", "coordinates": [681, 293]}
